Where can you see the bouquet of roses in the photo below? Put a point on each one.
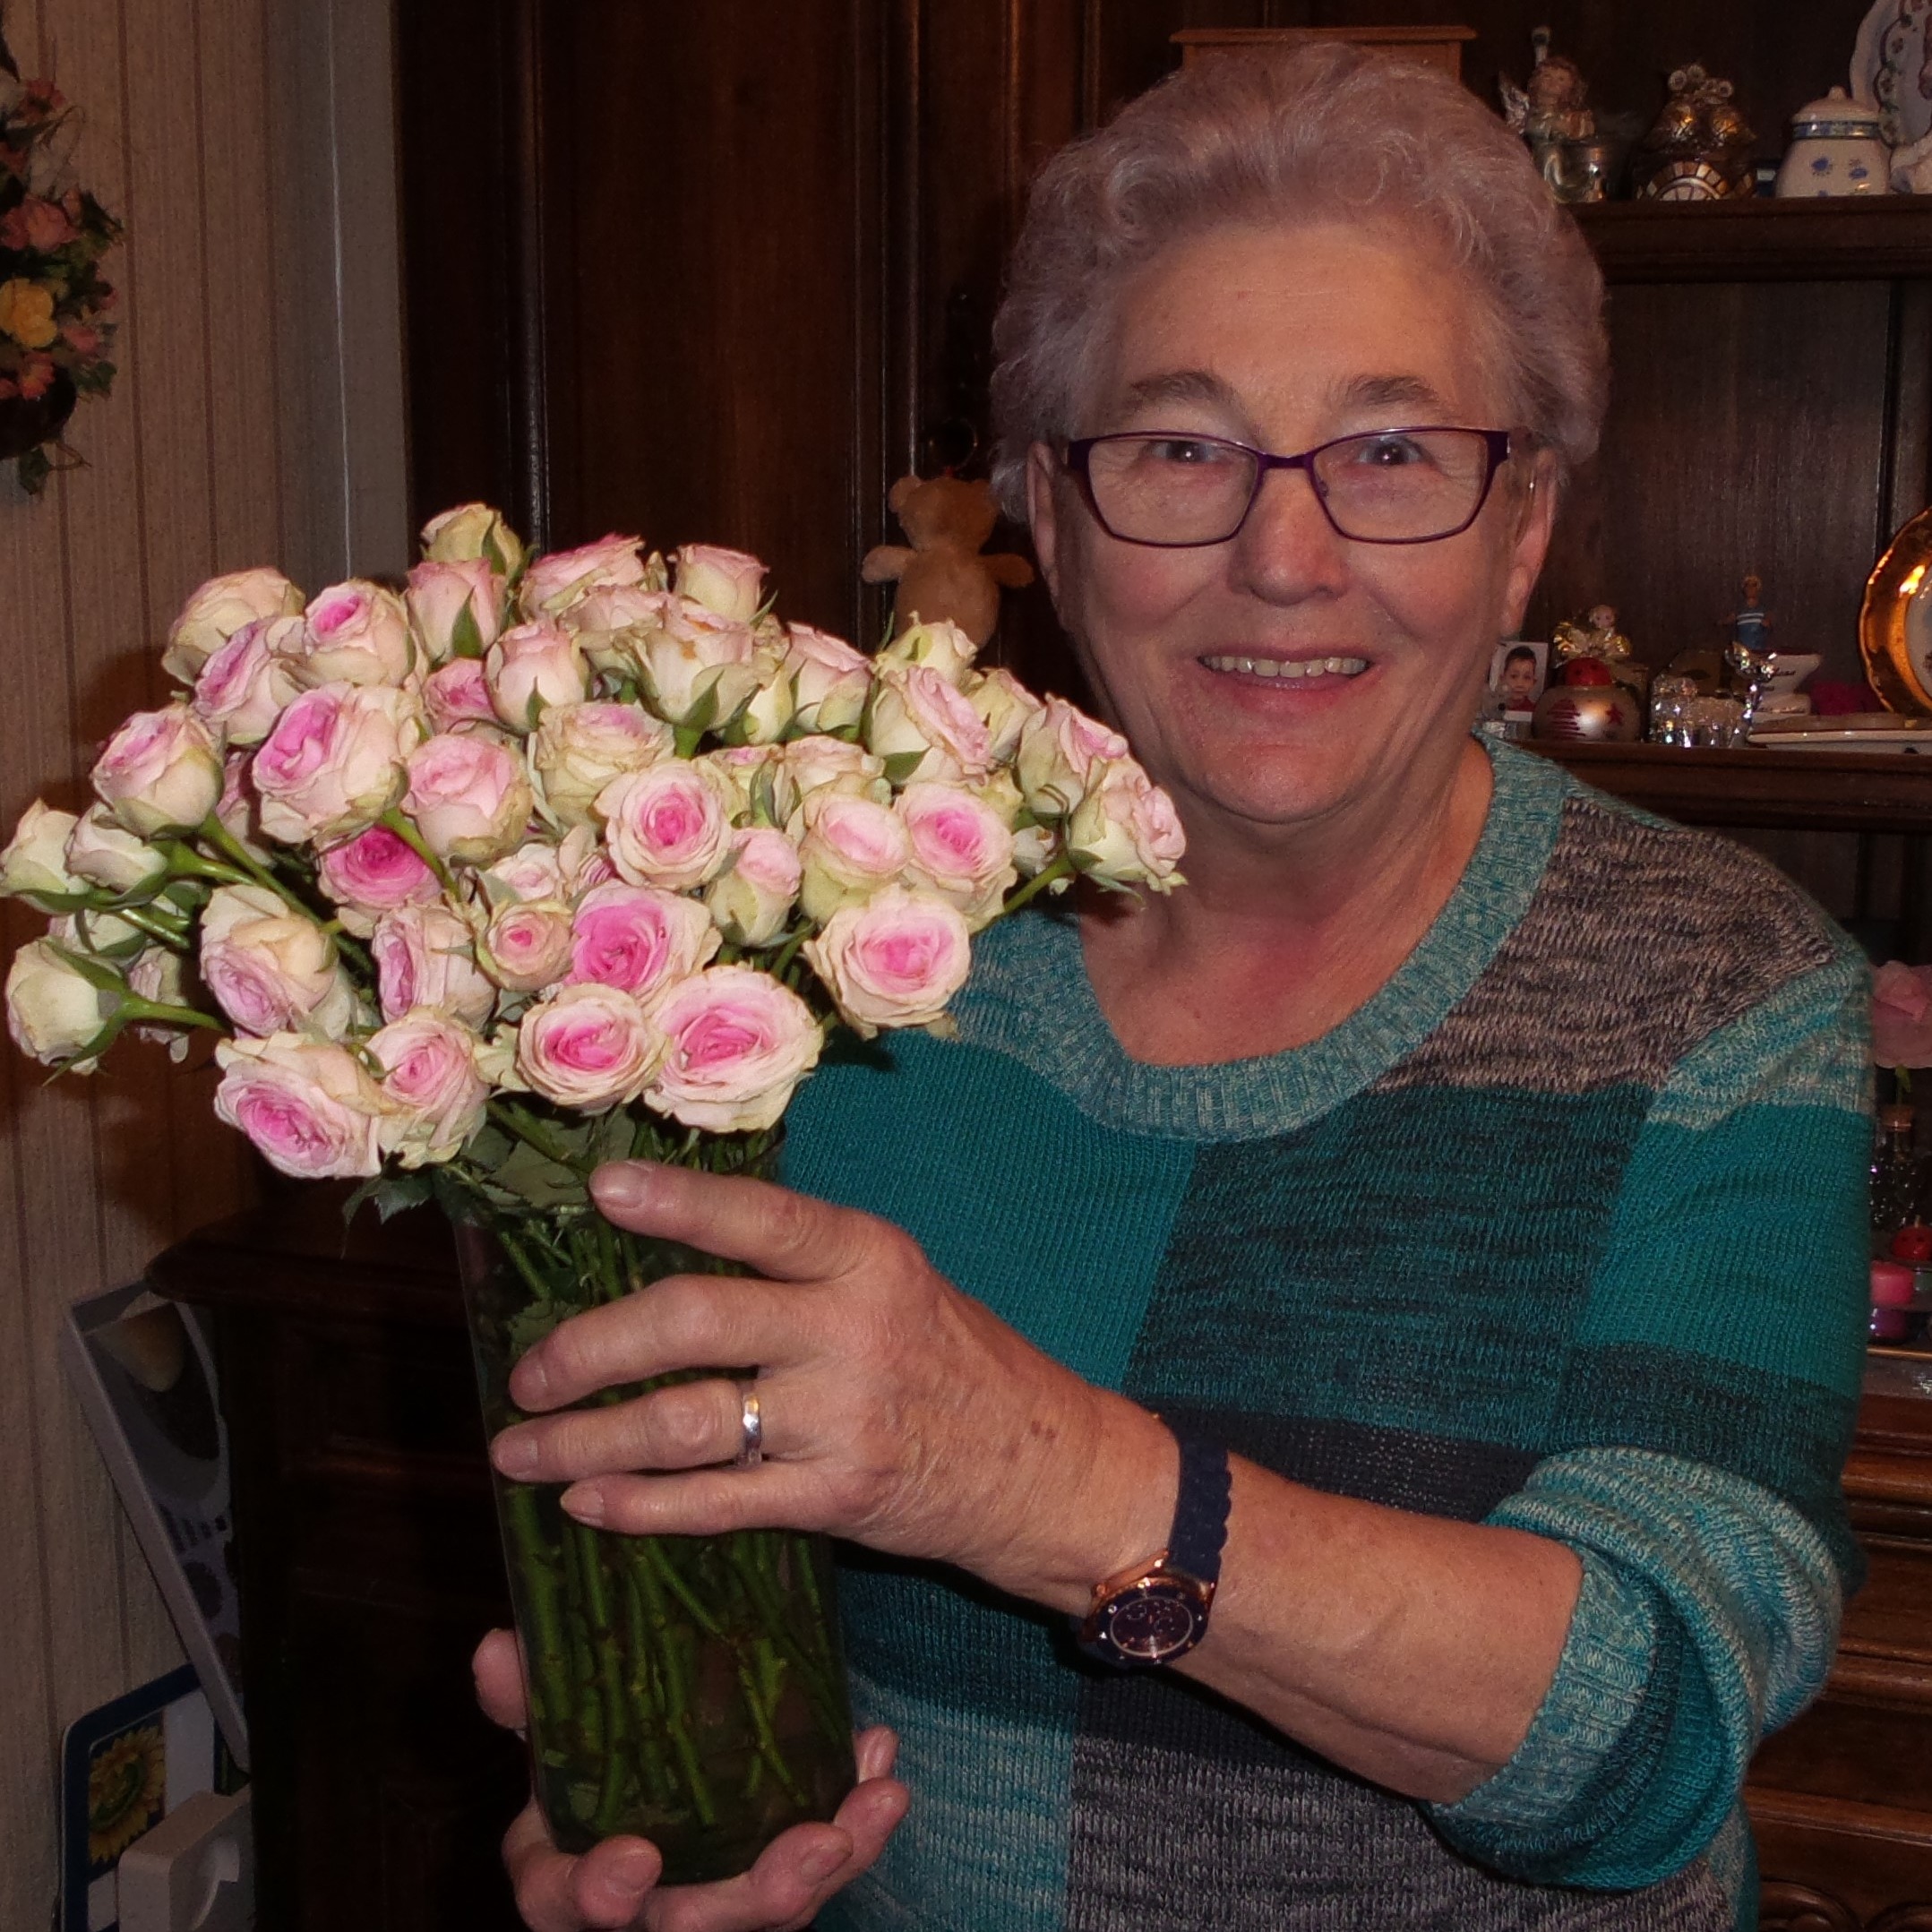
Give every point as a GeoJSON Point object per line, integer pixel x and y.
{"type": "Point", "coordinates": [538, 863]}
{"type": "Point", "coordinates": [53, 339]}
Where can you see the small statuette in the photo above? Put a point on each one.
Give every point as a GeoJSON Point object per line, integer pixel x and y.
{"type": "Point", "coordinates": [1699, 149]}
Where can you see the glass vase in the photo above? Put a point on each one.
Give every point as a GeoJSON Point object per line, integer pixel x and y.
{"type": "Point", "coordinates": [689, 1689]}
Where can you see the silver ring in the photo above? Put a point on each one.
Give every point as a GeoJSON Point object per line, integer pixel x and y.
{"type": "Point", "coordinates": [751, 1428]}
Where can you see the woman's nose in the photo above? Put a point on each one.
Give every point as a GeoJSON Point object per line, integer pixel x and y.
{"type": "Point", "coordinates": [1287, 549]}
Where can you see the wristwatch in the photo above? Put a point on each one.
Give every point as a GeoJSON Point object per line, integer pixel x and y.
{"type": "Point", "coordinates": [1156, 1610]}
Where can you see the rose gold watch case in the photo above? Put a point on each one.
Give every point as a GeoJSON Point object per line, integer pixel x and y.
{"type": "Point", "coordinates": [1148, 1613]}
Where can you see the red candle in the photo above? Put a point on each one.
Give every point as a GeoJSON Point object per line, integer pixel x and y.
{"type": "Point", "coordinates": [1892, 1285]}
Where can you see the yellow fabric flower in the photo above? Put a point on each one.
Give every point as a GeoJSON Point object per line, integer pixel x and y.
{"type": "Point", "coordinates": [27, 313]}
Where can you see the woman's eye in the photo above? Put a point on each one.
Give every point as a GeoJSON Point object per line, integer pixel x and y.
{"type": "Point", "coordinates": [1387, 452]}
{"type": "Point", "coordinates": [1190, 450]}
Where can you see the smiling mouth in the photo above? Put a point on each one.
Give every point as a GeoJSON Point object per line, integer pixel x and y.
{"type": "Point", "coordinates": [1300, 669]}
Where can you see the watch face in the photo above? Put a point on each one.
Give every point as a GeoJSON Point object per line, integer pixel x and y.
{"type": "Point", "coordinates": [1158, 1620]}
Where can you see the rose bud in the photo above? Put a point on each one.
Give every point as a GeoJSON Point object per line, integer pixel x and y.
{"type": "Point", "coordinates": [1058, 749]}
{"type": "Point", "coordinates": [695, 667]}
{"type": "Point", "coordinates": [942, 649]}
{"type": "Point", "coordinates": [588, 1047]}
{"type": "Point", "coordinates": [962, 850]}
{"type": "Point", "coordinates": [552, 584]}
{"type": "Point", "coordinates": [35, 866]}
{"type": "Point", "coordinates": [428, 1074]}
{"type": "Point", "coordinates": [1125, 831]}
{"type": "Point", "coordinates": [667, 826]}
{"type": "Point", "coordinates": [895, 961]}
{"type": "Point", "coordinates": [311, 1109]}
{"type": "Point", "coordinates": [829, 678]}
{"type": "Point", "coordinates": [752, 899]}
{"type": "Point", "coordinates": [757, 780]}
{"type": "Point", "coordinates": [469, 798]}
{"type": "Point", "coordinates": [455, 610]}
{"type": "Point", "coordinates": [764, 716]}
{"type": "Point", "coordinates": [160, 772]}
{"type": "Point", "coordinates": [356, 633]}
{"type": "Point", "coordinates": [272, 970]}
{"type": "Point", "coordinates": [612, 621]}
{"type": "Point", "coordinates": [159, 976]}
{"type": "Point", "coordinates": [373, 873]}
{"type": "Point", "coordinates": [923, 728]}
{"type": "Point", "coordinates": [239, 811]}
{"type": "Point", "coordinates": [423, 957]}
{"type": "Point", "coordinates": [215, 612]}
{"type": "Point", "coordinates": [852, 847]}
{"type": "Point", "coordinates": [736, 1044]}
{"type": "Point", "coordinates": [334, 763]}
{"type": "Point", "coordinates": [639, 939]}
{"type": "Point", "coordinates": [245, 684]}
{"type": "Point", "coordinates": [55, 1013]}
{"type": "Point", "coordinates": [527, 945]}
{"type": "Point", "coordinates": [727, 581]}
{"type": "Point", "coordinates": [531, 667]}
{"type": "Point", "coordinates": [818, 763]}
{"type": "Point", "coordinates": [100, 935]}
{"type": "Point", "coordinates": [104, 853]}
{"type": "Point", "coordinates": [1005, 707]}
{"type": "Point", "coordinates": [578, 750]}
{"type": "Point", "coordinates": [458, 693]}
{"type": "Point", "coordinates": [473, 530]}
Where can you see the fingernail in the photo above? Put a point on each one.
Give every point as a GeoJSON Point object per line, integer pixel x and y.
{"type": "Point", "coordinates": [514, 1454]}
{"type": "Point", "coordinates": [634, 1868]}
{"type": "Point", "coordinates": [621, 1184]}
{"type": "Point", "coordinates": [585, 1503]}
{"type": "Point", "coordinates": [529, 1381]}
{"type": "Point", "coordinates": [821, 1864]}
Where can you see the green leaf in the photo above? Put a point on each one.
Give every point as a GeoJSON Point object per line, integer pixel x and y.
{"type": "Point", "coordinates": [543, 1183]}
{"type": "Point", "coordinates": [530, 1324]}
{"type": "Point", "coordinates": [901, 765]}
{"type": "Point", "coordinates": [465, 638]}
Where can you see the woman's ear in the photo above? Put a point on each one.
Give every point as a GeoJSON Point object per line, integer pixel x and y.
{"type": "Point", "coordinates": [1535, 518]}
{"type": "Point", "coordinates": [1041, 516]}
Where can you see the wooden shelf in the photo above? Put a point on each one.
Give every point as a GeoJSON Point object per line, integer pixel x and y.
{"type": "Point", "coordinates": [1762, 240]}
{"type": "Point", "coordinates": [1811, 791]}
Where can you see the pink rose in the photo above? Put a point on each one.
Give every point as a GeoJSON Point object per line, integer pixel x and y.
{"type": "Point", "coordinates": [578, 750]}
{"type": "Point", "coordinates": [1059, 748]}
{"type": "Point", "coordinates": [962, 850]}
{"type": "Point", "coordinates": [244, 685]}
{"type": "Point", "coordinates": [639, 939]}
{"type": "Point", "coordinates": [531, 667]}
{"type": "Point", "coordinates": [588, 1046]}
{"type": "Point", "coordinates": [737, 1043]}
{"type": "Point", "coordinates": [473, 530]}
{"type": "Point", "coordinates": [428, 1075]}
{"type": "Point", "coordinates": [218, 609]}
{"type": "Point", "coordinates": [334, 762]}
{"type": "Point", "coordinates": [923, 727]}
{"type": "Point", "coordinates": [311, 1109]}
{"type": "Point", "coordinates": [373, 873]}
{"type": "Point", "coordinates": [727, 581]}
{"type": "Point", "coordinates": [667, 826]}
{"type": "Point", "coordinates": [37, 224]}
{"type": "Point", "coordinates": [830, 679]}
{"type": "Point", "coordinates": [852, 849]}
{"type": "Point", "coordinates": [357, 633]}
{"type": "Point", "coordinates": [541, 869]}
{"type": "Point", "coordinates": [610, 622]}
{"type": "Point", "coordinates": [423, 957]}
{"type": "Point", "coordinates": [469, 798]}
{"type": "Point", "coordinates": [552, 584]}
{"type": "Point", "coordinates": [240, 809]}
{"type": "Point", "coordinates": [455, 609]}
{"type": "Point", "coordinates": [1005, 707]}
{"type": "Point", "coordinates": [1902, 1015]}
{"type": "Point", "coordinates": [696, 668]}
{"type": "Point", "coordinates": [1125, 831]}
{"type": "Point", "coordinates": [527, 945]}
{"type": "Point", "coordinates": [458, 693]}
{"type": "Point", "coordinates": [160, 772]}
{"type": "Point", "coordinates": [894, 961]}
{"type": "Point", "coordinates": [752, 899]}
{"type": "Point", "coordinates": [815, 762]}
{"type": "Point", "coordinates": [273, 970]}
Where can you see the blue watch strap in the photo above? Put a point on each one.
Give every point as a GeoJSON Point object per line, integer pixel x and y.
{"type": "Point", "coordinates": [1200, 1510]}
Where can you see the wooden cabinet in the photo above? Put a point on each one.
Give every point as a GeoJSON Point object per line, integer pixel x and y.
{"type": "Point", "coordinates": [370, 1566]}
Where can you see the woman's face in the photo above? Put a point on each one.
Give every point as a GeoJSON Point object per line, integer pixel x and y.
{"type": "Point", "coordinates": [1284, 338]}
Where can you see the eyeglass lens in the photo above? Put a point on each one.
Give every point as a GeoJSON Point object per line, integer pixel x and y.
{"type": "Point", "coordinates": [1404, 486]}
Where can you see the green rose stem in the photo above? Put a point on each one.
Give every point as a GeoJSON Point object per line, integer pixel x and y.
{"type": "Point", "coordinates": [1061, 868]}
{"type": "Point", "coordinates": [393, 820]}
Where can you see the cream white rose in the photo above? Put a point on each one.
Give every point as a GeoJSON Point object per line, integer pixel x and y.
{"type": "Point", "coordinates": [1125, 831]}
{"type": "Point", "coordinates": [923, 727]}
{"type": "Point", "coordinates": [819, 763]}
{"type": "Point", "coordinates": [579, 749]}
{"type": "Point", "coordinates": [1005, 707]}
{"type": "Point", "coordinates": [455, 609]}
{"type": "Point", "coordinates": [752, 899]}
{"type": "Point", "coordinates": [554, 583]}
{"type": "Point", "coordinates": [532, 667]}
{"type": "Point", "coordinates": [694, 667]}
{"type": "Point", "coordinates": [160, 772]}
{"type": "Point", "coordinates": [830, 679]}
{"type": "Point", "coordinates": [852, 849]}
{"type": "Point", "coordinates": [727, 581]}
{"type": "Point", "coordinates": [104, 853]}
{"type": "Point", "coordinates": [36, 861]}
{"type": "Point", "coordinates": [944, 649]}
{"type": "Point", "coordinates": [424, 955]}
{"type": "Point", "coordinates": [473, 530]}
{"type": "Point", "coordinates": [272, 970]}
{"type": "Point", "coordinates": [526, 946]}
{"type": "Point", "coordinates": [54, 1012]}
{"type": "Point", "coordinates": [216, 610]}
{"type": "Point", "coordinates": [1060, 748]}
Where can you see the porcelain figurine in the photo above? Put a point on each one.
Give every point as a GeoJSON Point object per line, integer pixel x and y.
{"type": "Point", "coordinates": [1700, 148]}
{"type": "Point", "coordinates": [1551, 112]}
{"type": "Point", "coordinates": [1751, 625]}
{"type": "Point", "coordinates": [1836, 148]}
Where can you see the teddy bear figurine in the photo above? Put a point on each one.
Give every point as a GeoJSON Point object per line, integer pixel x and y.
{"type": "Point", "coordinates": [941, 576]}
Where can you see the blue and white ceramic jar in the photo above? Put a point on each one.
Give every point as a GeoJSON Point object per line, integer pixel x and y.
{"type": "Point", "coordinates": [1836, 148]}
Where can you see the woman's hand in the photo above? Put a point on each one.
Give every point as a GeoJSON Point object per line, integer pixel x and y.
{"type": "Point", "coordinates": [615, 1883]}
{"type": "Point", "coordinates": [895, 1410]}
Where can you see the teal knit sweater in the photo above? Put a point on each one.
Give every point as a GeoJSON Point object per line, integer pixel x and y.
{"type": "Point", "coordinates": [1563, 1230]}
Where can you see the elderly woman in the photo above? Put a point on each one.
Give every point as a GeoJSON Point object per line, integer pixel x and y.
{"type": "Point", "coordinates": [1339, 1376]}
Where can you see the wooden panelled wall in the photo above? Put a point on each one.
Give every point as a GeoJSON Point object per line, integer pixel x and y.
{"type": "Point", "coordinates": [228, 441]}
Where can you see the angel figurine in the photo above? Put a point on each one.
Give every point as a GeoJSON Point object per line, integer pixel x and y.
{"type": "Point", "coordinates": [1550, 107]}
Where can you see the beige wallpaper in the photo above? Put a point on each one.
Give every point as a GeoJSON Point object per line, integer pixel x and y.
{"type": "Point", "coordinates": [205, 458]}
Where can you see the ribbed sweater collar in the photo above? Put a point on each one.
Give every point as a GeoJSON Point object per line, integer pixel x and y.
{"type": "Point", "coordinates": [1030, 996]}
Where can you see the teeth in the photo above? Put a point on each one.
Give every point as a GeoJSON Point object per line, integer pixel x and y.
{"type": "Point", "coordinates": [1277, 667]}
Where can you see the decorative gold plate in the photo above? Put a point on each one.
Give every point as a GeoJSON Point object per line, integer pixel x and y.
{"type": "Point", "coordinates": [1895, 622]}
